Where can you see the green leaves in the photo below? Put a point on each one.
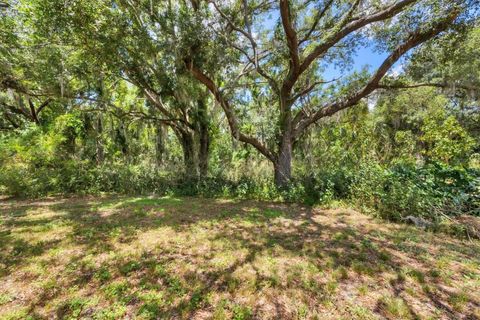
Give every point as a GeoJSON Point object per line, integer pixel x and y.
{"type": "Point", "coordinates": [446, 139]}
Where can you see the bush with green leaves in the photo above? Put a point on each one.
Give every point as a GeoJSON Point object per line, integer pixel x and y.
{"type": "Point", "coordinates": [429, 191]}
{"type": "Point", "coordinates": [391, 191]}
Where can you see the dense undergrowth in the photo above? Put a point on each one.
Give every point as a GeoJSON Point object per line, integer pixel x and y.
{"type": "Point", "coordinates": [430, 191]}
{"type": "Point", "coordinates": [394, 161]}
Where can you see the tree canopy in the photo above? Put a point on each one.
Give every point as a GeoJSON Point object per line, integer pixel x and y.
{"type": "Point", "coordinates": [255, 75]}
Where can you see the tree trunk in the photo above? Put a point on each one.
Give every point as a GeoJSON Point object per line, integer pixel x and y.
{"type": "Point", "coordinates": [160, 144]}
{"type": "Point", "coordinates": [283, 165]}
{"type": "Point", "coordinates": [121, 139]}
{"type": "Point", "coordinates": [204, 143]}
{"type": "Point", "coordinates": [188, 147]}
{"type": "Point", "coordinates": [100, 153]}
{"type": "Point", "coordinates": [203, 153]}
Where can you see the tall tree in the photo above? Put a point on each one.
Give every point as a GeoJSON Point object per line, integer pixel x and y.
{"type": "Point", "coordinates": [27, 71]}
{"type": "Point", "coordinates": [286, 46]}
{"type": "Point", "coordinates": [130, 41]}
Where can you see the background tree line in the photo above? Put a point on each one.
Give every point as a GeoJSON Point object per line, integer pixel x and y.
{"type": "Point", "coordinates": [235, 98]}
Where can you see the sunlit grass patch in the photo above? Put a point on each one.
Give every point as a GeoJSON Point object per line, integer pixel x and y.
{"type": "Point", "coordinates": [361, 313]}
{"type": "Point", "coordinates": [258, 215]}
{"type": "Point", "coordinates": [74, 307]}
{"type": "Point", "coordinates": [118, 291]}
{"type": "Point", "coordinates": [16, 313]}
{"type": "Point", "coordinates": [143, 202]}
{"type": "Point", "coordinates": [394, 308]}
{"type": "Point", "coordinates": [5, 298]}
{"type": "Point", "coordinates": [112, 312]}
{"type": "Point", "coordinates": [151, 258]}
{"type": "Point", "coordinates": [417, 275]}
{"type": "Point", "coordinates": [459, 300]}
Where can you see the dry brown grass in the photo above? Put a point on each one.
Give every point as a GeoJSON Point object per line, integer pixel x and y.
{"type": "Point", "coordinates": [190, 258]}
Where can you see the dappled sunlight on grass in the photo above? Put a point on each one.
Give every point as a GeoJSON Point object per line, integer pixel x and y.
{"type": "Point", "coordinates": [115, 257]}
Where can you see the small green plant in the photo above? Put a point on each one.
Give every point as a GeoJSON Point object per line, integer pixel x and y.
{"type": "Point", "coordinates": [459, 300]}
{"type": "Point", "coordinates": [362, 267]}
{"type": "Point", "coordinates": [395, 307]}
{"type": "Point", "coordinates": [129, 267]}
{"type": "Point", "coordinates": [341, 273]}
{"type": "Point", "coordinates": [149, 310]}
{"type": "Point", "coordinates": [361, 313]}
{"type": "Point", "coordinates": [72, 309]}
{"type": "Point", "coordinates": [241, 312]}
{"type": "Point", "coordinates": [117, 290]}
{"type": "Point", "coordinates": [196, 300]}
{"type": "Point", "coordinates": [331, 287]}
{"type": "Point", "coordinates": [103, 274]}
{"type": "Point", "coordinates": [5, 298]}
{"type": "Point", "coordinates": [363, 290]}
{"type": "Point", "coordinates": [175, 286]}
{"type": "Point", "coordinates": [220, 311]}
{"type": "Point", "coordinates": [417, 275]}
{"type": "Point", "coordinates": [302, 311]}
{"type": "Point", "coordinates": [115, 311]}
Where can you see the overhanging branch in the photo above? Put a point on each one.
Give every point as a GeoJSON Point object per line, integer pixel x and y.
{"type": "Point", "coordinates": [429, 84]}
{"type": "Point", "coordinates": [303, 121]}
{"type": "Point", "coordinates": [352, 26]}
{"type": "Point", "coordinates": [228, 110]}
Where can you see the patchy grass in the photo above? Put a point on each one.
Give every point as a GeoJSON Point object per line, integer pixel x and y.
{"type": "Point", "coordinates": [190, 258]}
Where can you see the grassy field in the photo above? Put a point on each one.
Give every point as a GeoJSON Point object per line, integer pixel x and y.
{"type": "Point", "coordinates": [190, 258]}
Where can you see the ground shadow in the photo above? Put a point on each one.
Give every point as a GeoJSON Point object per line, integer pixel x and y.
{"type": "Point", "coordinates": [339, 248]}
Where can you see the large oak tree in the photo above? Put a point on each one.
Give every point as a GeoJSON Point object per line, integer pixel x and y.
{"type": "Point", "coordinates": [285, 47]}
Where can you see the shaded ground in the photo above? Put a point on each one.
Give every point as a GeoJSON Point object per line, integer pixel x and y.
{"type": "Point", "coordinates": [189, 258]}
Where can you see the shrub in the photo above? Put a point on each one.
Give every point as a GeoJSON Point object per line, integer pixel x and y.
{"type": "Point", "coordinates": [429, 191]}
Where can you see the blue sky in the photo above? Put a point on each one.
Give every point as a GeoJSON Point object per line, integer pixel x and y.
{"type": "Point", "coordinates": [366, 56]}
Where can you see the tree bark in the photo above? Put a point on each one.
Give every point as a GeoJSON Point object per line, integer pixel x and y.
{"type": "Point", "coordinates": [283, 161]}
{"type": "Point", "coordinates": [204, 149]}
{"type": "Point", "coordinates": [121, 139]}
{"type": "Point", "coordinates": [160, 149]}
{"type": "Point", "coordinates": [283, 164]}
{"type": "Point", "coordinates": [204, 139]}
{"type": "Point", "coordinates": [188, 147]}
{"type": "Point", "coordinates": [100, 153]}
